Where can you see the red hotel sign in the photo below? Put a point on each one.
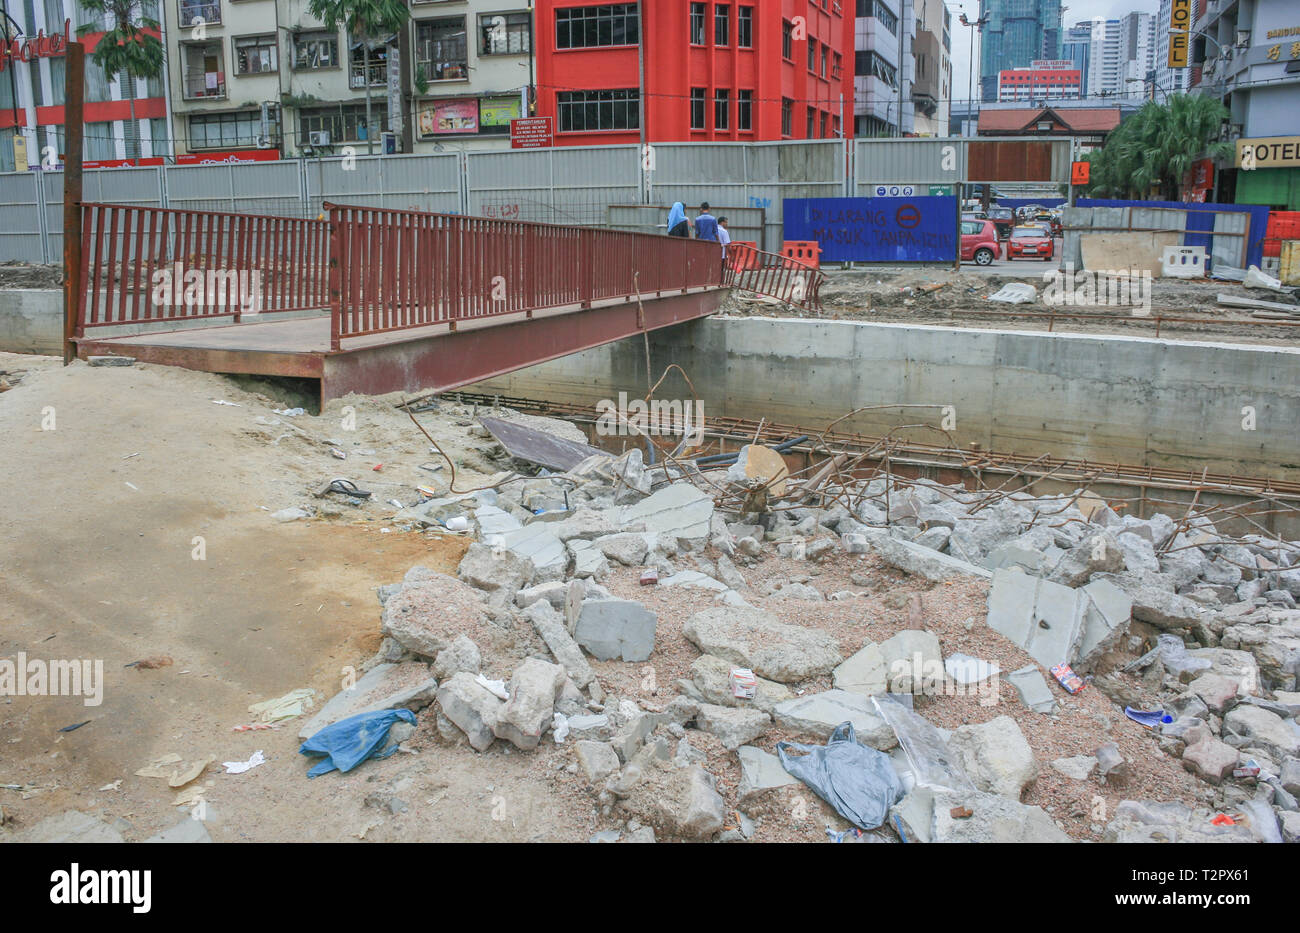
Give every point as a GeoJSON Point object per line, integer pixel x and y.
{"type": "Point", "coordinates": [531, 133]}
{"type": "Point", "coordinates": [42, 46]}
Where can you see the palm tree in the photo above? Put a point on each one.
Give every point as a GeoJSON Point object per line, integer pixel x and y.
{"type": "Point", "coordinates": [362, 19]}
{"type": "Point", "coordinates": [1156, 147]}
{"type": "Point", "coordinates": [128, 49]}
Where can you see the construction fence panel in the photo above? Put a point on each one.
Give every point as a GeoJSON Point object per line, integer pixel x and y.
{"type": "Point", "coordinates": [137, 187]}
{"type": "Point", "coordinates": [899, 162]}
{"type": "Point", "coordinates": [20, 218]}
{"type": "Point", "coordinates": [267, 188]}
{"type": "Point", "coordinates": [756, 175]}
{"type": "Point", "coordinates": [396, 182]}
{"type": "Point", "coordinates": [568, 185]}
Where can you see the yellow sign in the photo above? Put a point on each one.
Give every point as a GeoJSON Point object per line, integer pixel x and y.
{"type": "Point", "coordinates": [1180, 22]}
{"type": "Point", "coordinates": [1283, 33]}
{"type": "Point", "coordinates": [1268, 152]}
{"type": "Point", "coordinates": [20, 154]}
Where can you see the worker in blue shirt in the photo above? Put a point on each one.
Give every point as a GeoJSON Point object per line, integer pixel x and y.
{"type": "Point", "coordinates": [706, 227]}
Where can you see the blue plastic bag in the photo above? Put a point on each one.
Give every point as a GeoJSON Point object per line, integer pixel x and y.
{"type": "Point", "coordinates": [859, 782]}
{"type": "Point", "coordinates": [348, 742]}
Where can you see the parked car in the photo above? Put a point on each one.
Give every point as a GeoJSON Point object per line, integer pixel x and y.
{"type": "Point", "coordinates": [1029, 242]}
{"type": "Point", "coordinates": [1004, 219]}
{"type": "Point", "coordinates": [979, 241]}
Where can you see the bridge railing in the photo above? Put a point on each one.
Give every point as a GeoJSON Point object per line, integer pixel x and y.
{"type": "Point", "coordinates": [149, 264]}
{"type": "Point", "coordinates": [396, 270]}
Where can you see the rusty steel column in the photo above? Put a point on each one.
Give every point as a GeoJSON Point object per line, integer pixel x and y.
{"type": "Point", "coordinates": [73, 287]}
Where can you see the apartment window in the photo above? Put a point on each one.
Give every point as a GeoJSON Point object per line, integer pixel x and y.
{"type": "Point", "coordinates": [206, 11]}
{"type": "Point", "coordinates": [787, 117]}
{"type": "Point", "coordinates": [698, 11]}
{"type": "Point", "coordinates": [441, 49]}
{"type": "Point", "coordinates": [698, 95]}
{"type": "Point", "coordinates": [503, 33]}
{"type": "Point", "coordinates": [881, 12]}
{"type": "Point", "coordinates": [588, 27]}
{"type": "Point", "coordinates": [869, 63]}
{"type": "Point", "coordinates": [745, 27]}
{"type": "Point", "coordinates": [745, 110]}
{"type": "Point", "coordinates": [255, 55]}
{"type": "Point", "coordinates": [812, 55]}
{"type": "Point", "coordinates": [812, 124]}
{"type": "Point", "coordinates": [315, 50]}
{"type": "Point", "coordinates": [824, 124]}
{"type": "Point", "coordinates": [344, 123]}
{"type": "Point", "coordinates": [722, 109]}
{"type": "Point", "coordinates": [225, 130]}
{"type": "Point", "coordinates": [581, 111]}
{"type": "Point", "coordinates": [203, 70]}
{"type": "Point", "coordinates": [722, 24]}
{"type": "Point", "coordinates": [825, 58]}
{"type": "Point", "coordinates": [378, 66]}
{"type": "Point", "coordinates": [837, 65]}
{"type": "Point", "coordinates": [787, 40]}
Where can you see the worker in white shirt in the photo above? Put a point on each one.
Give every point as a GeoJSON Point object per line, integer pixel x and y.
{"type": "Point", "coordinates": [723, 236]}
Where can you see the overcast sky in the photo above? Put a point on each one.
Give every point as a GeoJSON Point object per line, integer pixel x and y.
{"type": "Point", "coordinates": [1077, 11]}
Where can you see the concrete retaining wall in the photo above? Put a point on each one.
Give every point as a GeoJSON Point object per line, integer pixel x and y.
{"type": "Point", "coordinates": [31, 320]}
{"type": "Point", "coordinates": [1133, 399]}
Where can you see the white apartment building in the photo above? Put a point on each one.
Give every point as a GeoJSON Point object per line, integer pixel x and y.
{"type": "Point", "coordinates": [1121, 54]}
{"type": "Point", "coordinates": [884, 69]}
{"type": "Point", "coordinates": [1167, 80]}
{"type": "Point", "coordinates": [932, 60]}
{"type": "Point", "coordinates": [266, 74]}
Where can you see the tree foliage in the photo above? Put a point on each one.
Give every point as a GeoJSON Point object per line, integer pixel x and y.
{"type": "Point", "coordinates": [361, 18]}
{"type": "Point", "coordinates": [1156, 147]}
{"type": "Point", "coordinates": [127, 48]}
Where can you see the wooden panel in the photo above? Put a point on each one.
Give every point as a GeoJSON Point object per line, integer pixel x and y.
{"type": "Point", "coordinates": [1022, 160]}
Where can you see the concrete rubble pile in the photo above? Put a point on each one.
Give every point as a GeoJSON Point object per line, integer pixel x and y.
{"type": "Point", "coordinates": [1157, 614]}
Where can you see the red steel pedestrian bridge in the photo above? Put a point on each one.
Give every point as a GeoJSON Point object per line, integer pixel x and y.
{"type": "Point", "coordinates": [372, 300]}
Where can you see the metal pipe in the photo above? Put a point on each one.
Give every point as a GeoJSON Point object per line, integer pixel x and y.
{"type": "Point", "coordinates": [74, 125]}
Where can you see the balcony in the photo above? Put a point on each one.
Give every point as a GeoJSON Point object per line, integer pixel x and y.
{"type": "Point", "coordinates": [378, 74]}
{"type": "Point", "coordinates": [206, 11]}
{"type": "Point", "coordinates": [205, 85]}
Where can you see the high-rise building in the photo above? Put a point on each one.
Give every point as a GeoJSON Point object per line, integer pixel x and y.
{"type": "Point", "coordinates": [1166, 80]}
{"type": "Point", "coordinates": [932, 58]}
{"type": "Point", "coordinates": [1018, 32]}
{"type": "Point", "coordinates": [883, 36]}
{"type": "Point", "coordinates": [1121, 54]}
{"type": "Point", "coordinates": [1076, 46]}
{"type": "Point", "coordinates": [32, 95]}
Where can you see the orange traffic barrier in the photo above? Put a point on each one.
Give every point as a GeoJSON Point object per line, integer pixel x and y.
{"type": "Point", "coordinates": [742, 255]}
{"type": "Point", "coordinates": [807, 252]}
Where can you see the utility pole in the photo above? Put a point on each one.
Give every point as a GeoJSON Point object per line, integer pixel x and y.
{"type": "Point", "coordinates": [73, 127]}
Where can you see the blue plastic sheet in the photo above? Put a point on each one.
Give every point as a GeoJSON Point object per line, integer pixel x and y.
{"type": "Point", "coordinates": [348, 742]}
{"type": "Point", "coordinates": [859, 782]}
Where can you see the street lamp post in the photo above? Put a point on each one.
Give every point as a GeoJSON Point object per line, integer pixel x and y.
{"type": "Point", "coordinates": [1150, 79]}
{"type": "Point", "coordinates": [977, 24]}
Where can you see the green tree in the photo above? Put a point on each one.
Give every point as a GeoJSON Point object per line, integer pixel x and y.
{"type": "Point", "coordinates": [1156, 146]}
{"type": "Point", "coordinates": [363, 20]}
{"type": "Point", "coordinates": [128, 49]}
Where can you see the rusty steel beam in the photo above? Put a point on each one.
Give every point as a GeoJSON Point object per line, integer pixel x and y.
{"type": "Point", "coordinates": [74, 123]}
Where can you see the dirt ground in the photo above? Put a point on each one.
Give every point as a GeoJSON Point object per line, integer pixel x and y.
{"type": "Point", "coordinates": [905, 297]}
{"type": "Point", "coordinates": [97, 560]}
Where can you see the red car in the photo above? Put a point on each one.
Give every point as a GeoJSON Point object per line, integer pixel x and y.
{"type": "Point", "coordinates": [1029, 243]}
{"type": "Point", "coordinates": [979, 241]}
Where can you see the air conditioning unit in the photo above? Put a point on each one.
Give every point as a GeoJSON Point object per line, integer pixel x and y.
{"type": "Point", "coordinates": [318, 138]}
{"type": "Point", "coordinates": [264, 142]}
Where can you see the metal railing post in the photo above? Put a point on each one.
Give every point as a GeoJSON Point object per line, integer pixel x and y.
{"type": "Point", "coordinates": [335, 273]}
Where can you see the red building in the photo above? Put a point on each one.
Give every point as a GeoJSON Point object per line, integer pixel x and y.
{"type": "Point", "coordinates": [736, 70]}
{"type": "Point", "coordinates": [1047, 80]}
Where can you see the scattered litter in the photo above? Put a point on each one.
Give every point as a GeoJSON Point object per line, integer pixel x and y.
{"type": "Point", "coordinates": [378, 467]}
{"type": "Point", "coordinates": [459, 523]}
{"type": "Point", "coordinates": [344, 487]}
{"type": "Point", "coordinates": [961, 813]}
{"type": "Point", "coordinates": [1150, 719]}
{"type": "Point", "coordinates": [219, 401]}
{"type": "Point", "coordinates": [133, 486]}
{"type": "Point", "coordinates": [933, 764]}
{"type": "Point", "coordinates": [174, 769]}
{"type": "Point", "coordinates": [252, 727]}
{"type": "Point", "coordinates": [859, 782]}
{"type": "Point", "coordinates": [114, 786]}
{"type": "Point", "coordinates": [494, 687]}
{"type": "Point", "coordinates": [129, 456]}
{"type": "Point", "coordinates": [1223, 819]}
{"type": "Point", "coordinates": [846, 835]}
{"type": "Point", "coordinates": [347, 743]}
{"type": "Point", "coordinates": [1015, 293]}
{"type": "Point", "coordinates": [1257, 279]}
{"type": "Point", "coordinates": [744, 685]}
{"type": "Point", "coordinates": [1227, 273]}
{"type": "Point", "coordinates": [338, 454]}
{"type": "Point", "coordinates": [290, 515]}
{"type": "Point", "coordinates": [1249, 769]}
{"type": "Point", "coordinates": [290, 412]}
{"type": "Point", "coordinates": [75, 726]}
{"type": "Point", "coordinates": [560, 725]}
{"type": "Point", "coordinates": [239, 767]}
{"type": "Point", "coordinates": [292, 704]}
{"type": "Point", "coordinates": [1065, 676]}
{"type": "Point", "coordinates": [431, 467]}
{"type": "Point", "coordinates": [649, 577]}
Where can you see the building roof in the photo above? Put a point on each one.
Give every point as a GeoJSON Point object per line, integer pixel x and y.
{"type": "Point", "coordinates": [1069, 119]}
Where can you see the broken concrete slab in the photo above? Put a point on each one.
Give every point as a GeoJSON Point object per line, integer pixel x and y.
{"type": "Point", "coordinates": [627, 548]}
{"type": "Point", "coordinates": [409, 685]}
{"type": "Point", "coordinates": [909, 662]}
{"type": "Point", "coordinates": [188, 830]}
{"type": "Point", "coordinates": [1054, 623]}
{"type": "Point", "coordinates": [1033, 689]}
{"type": "Point", "coordinates": [534, 688]}
{"type": "Point", "coordinates": [425, 615]}
{"type": "Point", "coordinates": [472, 708]}
{"type": "Point", "coordinates": [1076, 768]}
{"type": "Point", "coordinates": [756, 640]}
{"type": "Point", "coordinates": [1152, 821]}
{"type": "Point", "coordinates": [711, 678]}
{"type": "Point", "coordinates": [678, 511]}
{"type": "Point", "coordinates": [539, 447]}
{"type": "Point", "coordinates": [549, 624]}
{"type": "Point", "coordinates": [924, 815]}
{"type": "Point", "coordinates": [995, 756]}
{"type": "Point", "coordinates": [71, 826]}
{"type": "Point", "coordinates": [588, 562]}
{"type": "Point", "coordinates": [543, 549]}
{"type": "Point", "coordinates": [818, 714]}
{"type": "Point", "coordinates": [1249, 725]}
{"type": "Point", "coordinates": [596, 759]}
{"type": "Point", "coordinates": [616, 628]}
{"type": "Point", "coordinates": [1210, 760]}
{"type": "Point", "coordinates": [918, 559]}
{"type": "Point", "coordinates": [733, 726]}
{"type": "Point", "coordinates": [760, 771]}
